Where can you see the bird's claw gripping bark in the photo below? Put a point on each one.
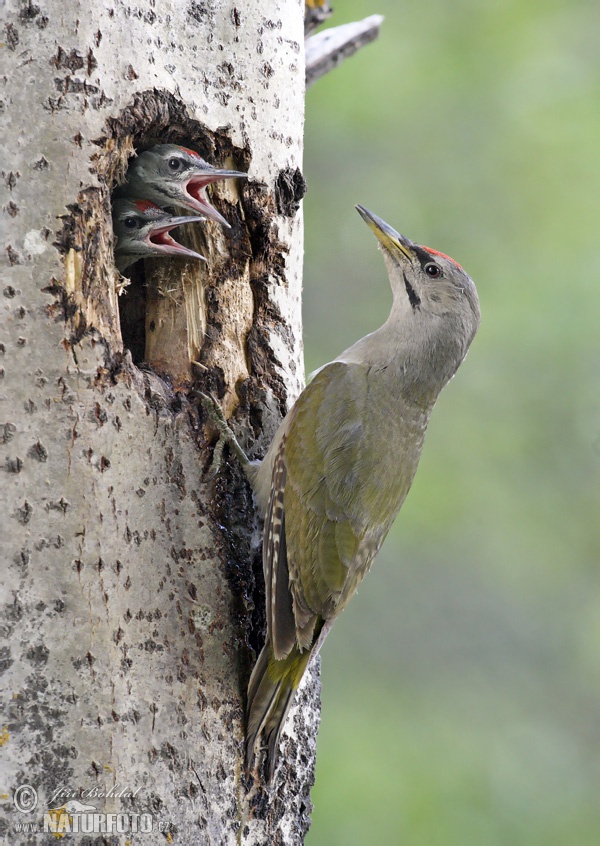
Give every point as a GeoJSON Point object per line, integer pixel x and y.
{"type": "Point", "coordinates": [226, 437]}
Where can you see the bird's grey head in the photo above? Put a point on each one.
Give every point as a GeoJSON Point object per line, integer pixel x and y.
{"type": "Point", "coordinates": [142, 230]}
{"type": "Point", "coordinates": [435, 302]}
{"type": "Point", "coordinates": [170, 175]}
{"type": "Point", "coordinates": [169, 166]}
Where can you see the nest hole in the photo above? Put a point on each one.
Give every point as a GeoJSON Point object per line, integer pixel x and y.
{"type": "Point", "coordinates": [95, 296]}
{"type": "Point", "coordinates": [153, 280]}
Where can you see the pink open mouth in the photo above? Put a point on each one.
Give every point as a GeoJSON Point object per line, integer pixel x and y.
{"type": "Point", "coordinates": [196, 186]}
{"type": "Point", "coordinates": [161, 238]}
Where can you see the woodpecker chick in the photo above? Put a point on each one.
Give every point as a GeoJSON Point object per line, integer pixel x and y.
{"type": "Point", "coordinates": [342, 463]}
{"type": "Point", "coordinates": [142, 231]}
{"type": "Point", "coordinates": [175, 176]}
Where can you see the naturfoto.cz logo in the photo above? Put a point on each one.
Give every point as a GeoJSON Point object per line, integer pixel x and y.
{"type": "Point", "coordinates": [73, 816]}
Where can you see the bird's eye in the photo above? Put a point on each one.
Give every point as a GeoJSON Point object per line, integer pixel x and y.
{"type": "Point", "coordinates": [131, 223]}
{"type": "Point", "coordinates": [433, 270]}
{"type": "Point", "coordinates": [175, 163]}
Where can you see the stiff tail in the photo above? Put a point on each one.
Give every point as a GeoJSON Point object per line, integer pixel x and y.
{"type": "Point", "coordinates": [270, 694]}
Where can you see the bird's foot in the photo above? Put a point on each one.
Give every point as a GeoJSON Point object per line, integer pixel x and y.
{"type": "Point", "coordinates": [226, 437]}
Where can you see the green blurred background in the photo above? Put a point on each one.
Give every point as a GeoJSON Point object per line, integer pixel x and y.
{"type": "Point", "coordinates": [461, 688]}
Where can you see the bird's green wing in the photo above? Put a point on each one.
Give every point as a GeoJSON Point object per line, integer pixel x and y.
{"type": "Point", "coordinates": [280, 612]}
{"type": "Point", "coordinates": [324, 525]}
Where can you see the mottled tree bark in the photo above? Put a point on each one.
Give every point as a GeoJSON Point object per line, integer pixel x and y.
{"type": "Point", "coordinates": [132, 594]}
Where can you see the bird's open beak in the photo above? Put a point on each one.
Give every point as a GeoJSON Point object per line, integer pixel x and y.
{"type": "Point", "coordinates": [196, 185]}
{"type": "Point", "coordinates": [159, 236]}
{"type": "Point", "coordinates": [387, 237]}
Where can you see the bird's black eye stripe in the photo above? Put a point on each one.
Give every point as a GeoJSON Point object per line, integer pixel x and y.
{"type": "Point", "coordinates": [131, 223]}
{"type": "Point", "coordinates": [413, 298]}
{"type": "Point", "coordinates": [433, 270]}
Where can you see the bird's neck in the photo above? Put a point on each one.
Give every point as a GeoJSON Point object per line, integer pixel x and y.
{"type": "Point", "coordinates": [407, 353]}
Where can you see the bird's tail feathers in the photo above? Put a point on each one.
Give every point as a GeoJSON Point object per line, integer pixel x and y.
{"type": "Point", "coordinates": [271, 691]}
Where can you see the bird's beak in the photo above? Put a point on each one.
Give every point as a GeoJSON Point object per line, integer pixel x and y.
{"type": "Point", "coordinates": [159, 236]}
{"type": "Point", "coordinates": [196, 185]}
{"type": "Point", "coordinates": [387, 237]}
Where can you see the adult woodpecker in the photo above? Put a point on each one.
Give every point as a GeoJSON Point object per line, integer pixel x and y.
{"type": "Point", "coordinates": [142, 230]}
{"type": "Point", "coordinates": [175, 176]}
{"type": "Point", "coordinates": [342, 463]}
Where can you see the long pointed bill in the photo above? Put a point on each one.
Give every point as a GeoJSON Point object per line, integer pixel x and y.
{"type": "Point", "coordinates": [387, 237]}
{"type": "Point", "coordinates": [214, 174]}
{"type": "Point", "coordinates": [195, 189]}
{"type": "Point", "coordinates": [159, 236]}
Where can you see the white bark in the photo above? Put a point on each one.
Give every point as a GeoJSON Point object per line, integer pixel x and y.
{"type": "Point", "coordinates": [128, 586]}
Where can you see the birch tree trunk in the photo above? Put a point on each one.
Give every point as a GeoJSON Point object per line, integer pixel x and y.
{"type": "Point", "coordinates": [132, 591]}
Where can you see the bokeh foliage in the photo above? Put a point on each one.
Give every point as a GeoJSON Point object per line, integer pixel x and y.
{"type": "Point", "coordinates": [461, 698]}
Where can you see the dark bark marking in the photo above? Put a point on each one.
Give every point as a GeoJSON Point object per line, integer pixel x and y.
{"type": "Point", "coordinates": [12, 36]}
{"type": "Point", "coordinates": [13, 465]}
{"type": "Point", "coordinates": [23, 514]}
{"type": "Point", "coordinates": [199, 11]}
{"type": "Point", "coordinates": [38, 654]}
{"type": "Point", "coordinates": [7, 431]}
{"type": "Point", "coordinates": [6, 661]}
{"type": "Point", "coordinates": [10, 179]}
{"type": "Point", "coordinates": [72, 85]}
{"type": "Point", "coordinates": [29, 11]}
{"type": "Point", "coordinates": [38, 451]}
{"type": "Point", "coordinates": [90, 62]}
{"type": "Point", "coordinates": [13, 256]}
{"type": "Point", "coordinates": [72, 61]}
{"type": "Point", "coordinates": [290, 188]}
{"type": "Point", "coordinates": [61, 505]}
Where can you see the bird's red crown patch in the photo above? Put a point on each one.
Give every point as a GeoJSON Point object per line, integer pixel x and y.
{"type": "Point", "coordinates": [442, 255]}
{"type": "Point", "coordinates": [192, 153]}
{"type": "Point", "coordinates": [145, 205]}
